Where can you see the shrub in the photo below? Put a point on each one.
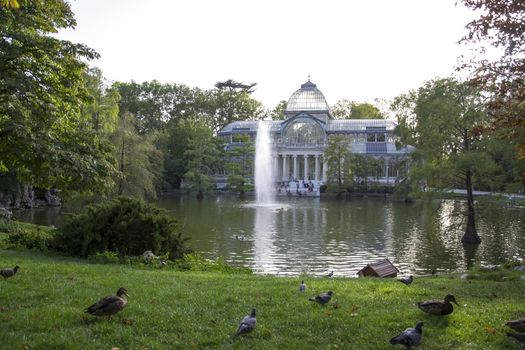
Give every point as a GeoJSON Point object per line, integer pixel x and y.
{"type": "Point", "coordinates": [30, 236]}
{"type": "Point", "coordinates": [124, 225]}
{"type": "Point", "coordinates": [104, 258]}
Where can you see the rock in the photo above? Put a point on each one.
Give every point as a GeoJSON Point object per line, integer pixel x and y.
{"type": "Point", "coordinates": [464, 276]}
{"type": "Point", "coordinates": [52, 198]}
{"type": "Point", "coordinates": [148, 256]}
{"type": "Point", "coordinates": [6, 214]}
{"type": "Point", "coordinates": [519, 268]}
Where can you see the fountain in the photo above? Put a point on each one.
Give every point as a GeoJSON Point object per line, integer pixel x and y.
{"type": "Point", "coordinates": [263, 165]}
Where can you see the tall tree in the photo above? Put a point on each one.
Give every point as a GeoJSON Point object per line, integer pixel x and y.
{"type": "Point", "coordinates": [345, 109]}
{"type": "Point", "coordinates": [338, 157]}
{"type": "Point", "coordinates": [500, 24]}
{"type": "Point", "coordinates": [43, 138]}
{"type": "Point", "coordinates": [240, 164]}
{"type": "Point", "coordinates": [445, 126]}
{"type": "Point", "coordinates": [204, 156]}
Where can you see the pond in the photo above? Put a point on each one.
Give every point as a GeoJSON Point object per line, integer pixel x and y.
{"type": "Point", "coordinates": [316, 236]}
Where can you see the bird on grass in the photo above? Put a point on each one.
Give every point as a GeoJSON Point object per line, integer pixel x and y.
{"type": "Point", "coordinates": [322, 298]}
{"type": "Point", "coordinates": [6, 273]}
{"type": "Point", "coordinates": [302, 287]}
{"type": "Point", "coordinates": [330, 274]}
{"type": "Point", "coordinates": [406, 280]}
{"type": "Point", "coordinates": [409, 337]}
{"type": "Point", "coordinates": [517, 325]}
{"type": "Point", "coordinates": [438, 307]}
{"type": "Point", "coordinates": [109, 305]}
{"type": "Point", "coordinates": [518, 336]}
{"type": "Point", "coordinates": [248, 323]}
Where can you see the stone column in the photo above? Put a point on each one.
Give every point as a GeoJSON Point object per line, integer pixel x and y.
{"type": "Point", "coordinates": [285, 170]}
{"type": "Point", "coordinates": [306, 167]}
{"type": "Point", "coordinates": [294, 166]}
{"type": "Point", "coordinates": [316, 175]}
{"type": "Point", "coordinates": [275, 169]}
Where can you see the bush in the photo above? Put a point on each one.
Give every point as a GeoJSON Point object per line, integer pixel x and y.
{"type": "Point", "coordinates": [124, 225]}
{"type": "Point", "coordinates": [104, 258]}
{"type": "Point", "coordinates": [30, 236]}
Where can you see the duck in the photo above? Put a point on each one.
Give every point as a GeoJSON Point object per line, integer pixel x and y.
{"type": "Point", "coordinates": [406, 280]}
{"type": "Point", "coordinates": [409, 337]}
{"type": "Point", "coordinates": [438, 307]}
{"type": "Point", "coordinates": [248, 323]}
{"type": "Point", "coordinates": [6, 273]}
{"type": "Point", "coordinates": [322, 298]}
{"type": "Point", "coordinates": [109, 305]}
{"type": "Point", "coordinates": [517, 325]}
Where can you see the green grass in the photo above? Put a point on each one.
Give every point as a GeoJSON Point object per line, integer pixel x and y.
{"type": "Point", "coordinates": [42, 308]}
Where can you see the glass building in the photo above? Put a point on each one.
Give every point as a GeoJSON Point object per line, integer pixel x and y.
{"type": "Point", "coordinates": [299, 141]}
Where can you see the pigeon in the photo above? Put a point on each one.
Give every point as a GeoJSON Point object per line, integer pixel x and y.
{"type": "Point", "coordinates": [6, 273]}
{"type": "Point", "coordinates": [406, 280]}
{"type": "Point", "coordinates": [248, 323]}
{"type": "Point", "coordinates": [517, 325]}
{"type": "Point", "coordinates": [518, 336]}
{"type": "Point", "coordinates": [438, 307]}
{"type": "Point", "coordinates": [302, 287]}
{"type": "Point", "coordinates": [330, 274]}
{"type": "Point", "coordinates": [109, 305]}
{"type": "Point", "coordinates": [322, 298]}
{"type": "Point", "coordinates": [409, 337]}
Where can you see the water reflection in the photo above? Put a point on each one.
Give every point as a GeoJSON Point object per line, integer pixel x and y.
{"type": "Point", "coordinates": [316, 236]}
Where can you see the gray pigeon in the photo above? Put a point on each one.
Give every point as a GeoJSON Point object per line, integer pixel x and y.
{"type": "Point", "coordinates": [406, 280]}
{"type": "Point", "coordinates": [248, 323]}
{"type": "Point", "coordinates": [322, 298]}
{"type": "Point", "coordinates": [330, 274]}
{"type": "Point", "coordinates": [409, 337]}
{"type": "Point", "coordinates": [302, 287]}
{"type": "Point", "coordinates": [6, 273]}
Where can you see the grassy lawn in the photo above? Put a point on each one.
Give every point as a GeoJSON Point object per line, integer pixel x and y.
{"type": "Point", "coordinates": [42, 308]}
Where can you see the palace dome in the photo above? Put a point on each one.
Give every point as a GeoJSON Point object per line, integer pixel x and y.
{"type": "Point", "coordinates": [307, 98]}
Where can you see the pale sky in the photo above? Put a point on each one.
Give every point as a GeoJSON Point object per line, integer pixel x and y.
{"type": "Point", "coordinates": [354, 49]}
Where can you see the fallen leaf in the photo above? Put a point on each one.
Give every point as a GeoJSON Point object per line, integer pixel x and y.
{"type": "Point", "coordinates": [490, 330]}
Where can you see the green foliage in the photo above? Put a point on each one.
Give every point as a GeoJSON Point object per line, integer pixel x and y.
{"type": "Point", "coordinates": [43, 138]}
{"type": "Point", "coordinates": [123, 225]}
{"type": "Point", "coordinates": [345, 109]}
{"type": "Point", "coordinates": [29, 236]}
{"type": "Point", "coordinates": [105, 257]}
{"type": "Point", "coordinates": [338, 158]}
{"type": "Point", "coordinates": [240, 164]}
{"type": "Point", "coordinates": [195, 262]}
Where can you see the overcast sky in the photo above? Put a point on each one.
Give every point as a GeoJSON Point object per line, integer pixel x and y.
{"type": "Point", "coordinates": [354, 49]}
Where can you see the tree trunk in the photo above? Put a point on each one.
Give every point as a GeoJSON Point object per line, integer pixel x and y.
{"type": "Point", "coordinates": [471, 236]}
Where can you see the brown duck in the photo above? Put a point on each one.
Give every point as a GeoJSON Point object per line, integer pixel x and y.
{"type": "Point", "coordinates": [109, 305]}
{"type": "Point", "coordinates": [438, 307]}
{"type": "Point", "coordinates": [517, 325]}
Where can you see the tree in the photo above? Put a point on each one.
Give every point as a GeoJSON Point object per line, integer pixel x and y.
{"type": "Point", "coordinates": [278, 112]}
{"type": "Point", "coordinates": [140, 162]}
{"type": "Point", "coordinates": [240, 164]}
{"type": "Point", "coordinates": [500, 24]}
{"type": "Point", "coordinates": [43, 138]}
{"type": "Point", "coordinates": [338, 157]}
{"type": "Point", "coordinates": [345, 109]}
{"type": "Point", "coordinates": [204, 156]}
{"type": "Point", "coordinates": [444, 126]}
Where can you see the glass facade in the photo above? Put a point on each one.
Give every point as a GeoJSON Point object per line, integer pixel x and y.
{"type": "Point", "coordinates": [303, 131]}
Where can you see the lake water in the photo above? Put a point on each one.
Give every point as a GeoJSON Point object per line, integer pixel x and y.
{"type": "Point", "coordinates": [316, 236]}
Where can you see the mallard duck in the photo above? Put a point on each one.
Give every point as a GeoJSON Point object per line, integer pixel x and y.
{"type": "Point", "coordinates": [406, 280]}
{"type": "Point", "coordinates": [322, 298]}
{"type": "Point", "coordinates": [517, 325]}
{"type": "Point", "coordinates": [6, 273]}
{"type": "Point", "coordinates": [109, 305]}
{"type": "Point", "coordinates": [248, 323]}
{"type": "Point", "coordinates": [409, 337]}
{"type": "Point", "coordinates": [438, 307]}
{"type": "Point", "coordinates": [518, 336]}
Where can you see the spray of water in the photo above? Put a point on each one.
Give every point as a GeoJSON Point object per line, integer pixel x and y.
{"type": "Point", "coordinates": [263, 164]}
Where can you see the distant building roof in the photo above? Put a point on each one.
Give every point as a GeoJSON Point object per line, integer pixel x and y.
{"type": "Point", "coordinates": [381, 268]}
{"type": "Point", "coordinates": [307, 98]}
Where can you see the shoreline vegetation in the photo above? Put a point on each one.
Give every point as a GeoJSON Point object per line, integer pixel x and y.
{"type": "Point", "coordinates": [196, 305]}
